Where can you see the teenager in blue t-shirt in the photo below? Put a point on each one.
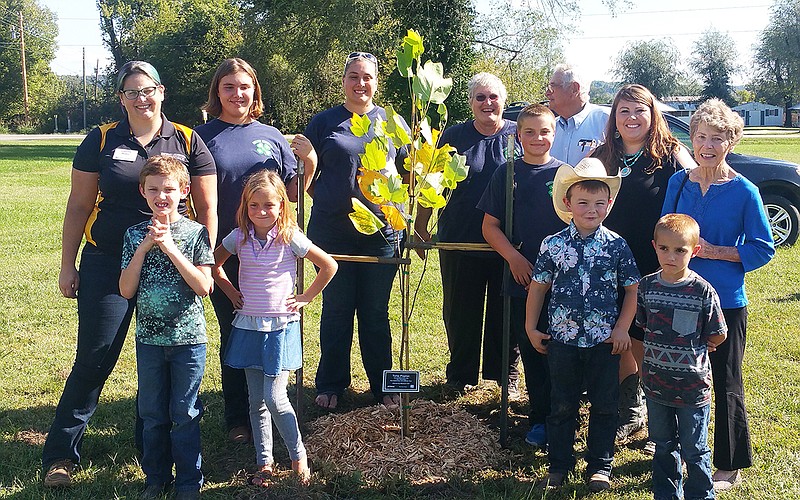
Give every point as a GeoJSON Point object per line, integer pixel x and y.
{"type": "Point", "coordinates": [241, 146]}
{"type": "Point", "coordinates": [534, 219]}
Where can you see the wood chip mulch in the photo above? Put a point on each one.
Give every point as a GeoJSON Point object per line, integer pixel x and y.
{"type": "Point", "coordinates": [445, 441]}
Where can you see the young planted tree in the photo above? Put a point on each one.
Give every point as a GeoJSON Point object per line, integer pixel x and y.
{"type": "Point", "coordinates": [431, 168]}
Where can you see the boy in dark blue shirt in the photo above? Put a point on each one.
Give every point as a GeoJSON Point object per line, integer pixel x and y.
{"type": "Point", "coordinates": [534, 218]}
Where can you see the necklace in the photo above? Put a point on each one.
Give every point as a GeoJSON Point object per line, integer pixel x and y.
{"type": "Point", "coordinates": [628, 161]}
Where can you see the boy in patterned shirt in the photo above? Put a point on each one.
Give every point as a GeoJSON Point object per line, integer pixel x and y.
{"type": "Point", "coordinates": [682, 320]}
{"type": "Point", "coordinates": [583, 266]}
{"type": "Point", "coordinates": [167, 261]}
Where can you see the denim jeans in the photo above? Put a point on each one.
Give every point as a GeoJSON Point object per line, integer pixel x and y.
{"type": "Point", "coordinates": [169, 383]}
{"type": "Point", "coordinates": [537, 372]}
{"type": "Point", "coordinates": [358, 290]}
{"type": "Point", "coordinates": [680, 433]}
{"type": "Point", "coordinates": [270, 403]}
{"type": "Point", "coordinates": [103, 319]}
{"type": "Point", "coordinates": [234, 383]}
{"type": "Point", "coordinates": [570, 368]}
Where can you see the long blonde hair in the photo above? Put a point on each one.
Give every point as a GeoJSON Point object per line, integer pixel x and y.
{"type": "Point", "coordinates": [269, 181]}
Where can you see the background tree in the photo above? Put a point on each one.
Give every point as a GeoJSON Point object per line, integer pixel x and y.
{"type": "Point", "coordinates": [714, 59]}
{"type": "Point", "coordinates": [777, 57]}
{"type": "Point", "coordinates": [652, 63]}
{"type": "Point", "coordinates": [40, 30]}
{"type": "Point", "coordinates": [183, 39]}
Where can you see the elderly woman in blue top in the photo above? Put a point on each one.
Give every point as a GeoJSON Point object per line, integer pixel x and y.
{"type": "Point", "coordinates": [359, 289]}
{"type": "Point", "coordinates": [241, 146]}
{"type": "Point", "coordinates": [735, 238]}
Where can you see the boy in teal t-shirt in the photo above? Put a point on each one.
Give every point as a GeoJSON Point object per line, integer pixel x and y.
{"type": "Point", "coordinates": [167, 261]}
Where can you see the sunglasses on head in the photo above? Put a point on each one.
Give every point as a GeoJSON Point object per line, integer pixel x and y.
{"type": "Point", "coordinates": [483, 97]}
{"type": "Point", "coordinates": [362, 55]}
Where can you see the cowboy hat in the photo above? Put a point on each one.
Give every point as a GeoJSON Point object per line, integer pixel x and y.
{"type": "Point", "coordinates": [588, 169]}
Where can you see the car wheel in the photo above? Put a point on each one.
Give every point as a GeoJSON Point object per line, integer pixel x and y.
{"type": "Point", "coordinates": [783, 219]}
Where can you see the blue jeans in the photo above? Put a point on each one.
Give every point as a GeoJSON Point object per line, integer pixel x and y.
{"type": "Point", "coordinates": [680, 433]}
{"type": "Point", "coordinates": [359, 290]}
{"type": "Point", "coordinates": [103, 319]}
{"type": "Point", "coordinates": [570, 368]}
{"type": "Point", "coordinates": [169, 383]}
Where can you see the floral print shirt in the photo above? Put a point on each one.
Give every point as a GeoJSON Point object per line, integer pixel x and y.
{"type": "Point", "coordinates": [584, 275]}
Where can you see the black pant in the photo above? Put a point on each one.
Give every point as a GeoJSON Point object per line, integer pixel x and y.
{"type": "Point", "coordinates": [732, 448]}
{"type": "Point", "coordinates": [234, 382]}
{"type": "Point", "coordinates": [469, 283]}
{"type": "Point", "coordinates": [537, 371]}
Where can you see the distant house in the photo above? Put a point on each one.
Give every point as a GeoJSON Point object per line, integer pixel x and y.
{"type": "Point", "coordinates": [683, 106]}
{"type": "Point", "coordinates": [758, 114]}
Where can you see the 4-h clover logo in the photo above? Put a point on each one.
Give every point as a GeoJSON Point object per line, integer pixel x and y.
{"type": "Point", "coordinates": [264, 148]}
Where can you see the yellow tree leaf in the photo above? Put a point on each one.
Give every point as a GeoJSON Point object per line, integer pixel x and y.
{"type": "Point", "coordinates": [429, 198]}
{"type": "Point", "coordinates": [363, 219]}
{"type": "Point", "coordinates": [368, 181]}
{"type": "Point", "coordinates": [395, 127]}
{"type": "Point", "coordinates": [394, 217]}
{"type": "Point", "coordinates": [455, 171]}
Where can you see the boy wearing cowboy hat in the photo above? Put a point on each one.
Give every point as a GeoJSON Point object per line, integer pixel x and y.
{"type": "Point", "coordinates": [583, 266]}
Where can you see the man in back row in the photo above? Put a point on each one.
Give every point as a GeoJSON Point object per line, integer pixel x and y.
{"type": "Point", "coordinates": [580, 126]}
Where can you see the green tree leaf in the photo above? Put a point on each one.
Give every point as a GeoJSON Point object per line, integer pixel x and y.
{"type": "Point", "coordinates": [359, 125]}
{"type": "Point", "coordinates": [393, 189]}
{"type": "Point", "coordinates": [414, 40]}
{"type": "Point", "coordinates": [442, 110]}
{"type": "Point", "coordinates": [455, 171]}
{"type": "Point", "coordinates": [374, 156]}
{"type": "Point", "coordinates": [430, 85]}
{"type": "Point", "coordinates": [363, 219]}
{"type": "Point", "coordinates": [429, 198]}
{"type": "Point", "coordinates": [395, 127]}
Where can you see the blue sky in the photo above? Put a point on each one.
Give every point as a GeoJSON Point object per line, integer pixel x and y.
{"type": "Point", "coordinates": [594, 44]}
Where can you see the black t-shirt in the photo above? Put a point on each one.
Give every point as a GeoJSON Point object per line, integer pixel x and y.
{"type": "Point", "coordinates": [114, 154]}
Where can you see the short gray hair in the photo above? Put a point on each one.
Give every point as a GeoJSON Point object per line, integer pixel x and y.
{"type": "Point", "coordinates": [573, 74]}
{"type": "Point", "coordinates": [716, 114]}
{"type": "Point", "coordinates": [488, 80]}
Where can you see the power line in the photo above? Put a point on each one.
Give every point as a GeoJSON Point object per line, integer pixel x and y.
{"type": "Point", "coordinates": [678, 11]}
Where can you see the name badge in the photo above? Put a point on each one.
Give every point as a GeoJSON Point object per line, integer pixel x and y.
{"type": "Point", "coordinates": [125, 154]}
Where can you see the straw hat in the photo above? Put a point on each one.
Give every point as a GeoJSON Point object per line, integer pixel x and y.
{"type": "Point", "coordinates": [586, 169]}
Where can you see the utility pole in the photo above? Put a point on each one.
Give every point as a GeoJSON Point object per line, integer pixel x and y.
{"type": "Point", "coordinates": [96, 74]}
{"type": "Point", "coordinates": [24, 71]}
{"type": "Point", "coordinates": [84, 88]}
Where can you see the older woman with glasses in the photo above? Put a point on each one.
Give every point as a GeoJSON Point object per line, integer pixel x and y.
{"type": "Point", "coordinates": [472, 281]}
{"type": "Point", "coordinates": [104, 201]}
{"type": "Point", "coordinates": [735, 238]}
{"type": "Point", "coordinates": [359, 289]}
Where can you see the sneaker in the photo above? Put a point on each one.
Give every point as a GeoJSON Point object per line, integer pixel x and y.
{"type": "Point", "coordinates": [537, 436]}
{"type": "Point", "coordinates": [598, 482]}
{"type": "Point", "coordinates": [552, 481]}
{"type": "Point", "coordinates": [726, 479]}
{"type": "Point", "coordinates": [187, 495]}
{"type": "Point", "coordinates": [152, 491]}
{"type": "Point", "coordinates": [649, 448]}
{"type": "Point", "coordinates": [59, 474]}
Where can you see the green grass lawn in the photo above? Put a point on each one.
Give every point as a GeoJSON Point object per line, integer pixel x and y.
{"type": "Point", "coordinates": [38, 329]}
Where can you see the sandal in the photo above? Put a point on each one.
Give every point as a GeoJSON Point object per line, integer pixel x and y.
{"type": "Point", "coordinates": [262, 477]}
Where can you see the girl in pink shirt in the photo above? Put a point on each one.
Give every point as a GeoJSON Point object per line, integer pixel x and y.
{"type": "Point", "coordinates": [265, 338]}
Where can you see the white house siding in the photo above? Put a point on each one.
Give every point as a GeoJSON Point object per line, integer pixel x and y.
{"type": "Point", "coordinates": [757, 114]}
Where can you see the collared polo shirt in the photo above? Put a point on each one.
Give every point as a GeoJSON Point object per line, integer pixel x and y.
{"type": "Point", "coordinates": [116, 156]}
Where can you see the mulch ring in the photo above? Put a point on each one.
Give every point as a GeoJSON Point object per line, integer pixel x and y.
{"type": "Point", "coordinates": [445, 440]}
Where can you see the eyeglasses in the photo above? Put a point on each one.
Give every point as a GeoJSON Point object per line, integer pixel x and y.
{"type": "Point", "coordinates": [483, 97]}
{"type": "Point", "coordinates": [555, 85]}
{"type": "Point", "coordinates": [134, 94]}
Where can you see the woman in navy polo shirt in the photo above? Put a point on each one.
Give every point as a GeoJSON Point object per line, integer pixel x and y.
{"type": "Point", "coordinates": [241, 146]}
{"type": "Point", "coordinates": [104, 201]}
{"type": "Point", "coordinates": [358, 289]}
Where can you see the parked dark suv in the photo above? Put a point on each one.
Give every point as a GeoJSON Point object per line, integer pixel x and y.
{"type": "Point", "coordinates": [777, 180]}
